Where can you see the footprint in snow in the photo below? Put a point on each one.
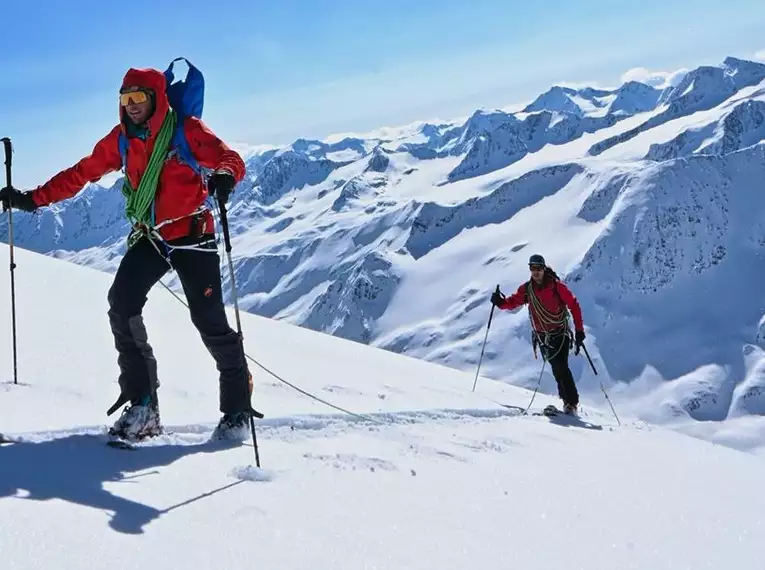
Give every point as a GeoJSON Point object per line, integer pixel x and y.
{"type": "Point", "coordinates": [350, 461]}
{"type": "Point", "coordinates": [341, 390]}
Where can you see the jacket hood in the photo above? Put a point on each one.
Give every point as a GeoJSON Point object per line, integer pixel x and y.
{"type": "Point", "coordinates": [148, 79]}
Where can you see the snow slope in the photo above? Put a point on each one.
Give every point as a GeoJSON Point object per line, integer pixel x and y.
{"type": "Point", "coordinates": [645, 200]}
{"type": "Point", "coordinates": [436, 476]}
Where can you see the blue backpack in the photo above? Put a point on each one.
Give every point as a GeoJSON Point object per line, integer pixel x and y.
{"type": "Point", "coordinates": [187, 100]}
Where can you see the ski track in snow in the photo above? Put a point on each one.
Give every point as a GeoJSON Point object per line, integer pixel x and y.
{"type": "Point", "coordinates": [315, 425]}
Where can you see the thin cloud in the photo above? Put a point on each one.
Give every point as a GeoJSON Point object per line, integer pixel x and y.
{"type": "Point", "coordinates": [659, 79]}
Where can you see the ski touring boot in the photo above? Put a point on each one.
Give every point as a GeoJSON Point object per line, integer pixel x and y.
{"type": "Point", "coordinates": [139, 420]}
{"type": "Point", "coordinates": [232, 427]}
{"type": "Point", "coordinates": [570, 409]}
{"type": "Point", "coordinates": [550, 411]}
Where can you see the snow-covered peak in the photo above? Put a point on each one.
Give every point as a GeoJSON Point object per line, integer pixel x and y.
{"type": "Point", "coordinates": [744, 72]}
{"type": "Point", "coordinates": [379, 160]}
{"type": "Point", "coordinates": [557, 98]}
{"type": "Point", "coordinates": [290, 169]}
{"type": "Point", "coordinates": [634, 97]}
{"type": "Point", "coordinates": [714, 83]}
{"type": "Point", "coordinates": [631, 98]}
{"type": "Point", "coordinates": [484, 121]}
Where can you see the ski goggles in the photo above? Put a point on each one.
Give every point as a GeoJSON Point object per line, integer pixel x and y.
{"type": "Point", "coordinates": [134, 97]}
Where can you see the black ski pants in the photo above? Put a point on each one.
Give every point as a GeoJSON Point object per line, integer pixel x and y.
{"type": "Point", "coordinates": [199, 272]}
{"type": "Point", "coordinates": [555, 348]}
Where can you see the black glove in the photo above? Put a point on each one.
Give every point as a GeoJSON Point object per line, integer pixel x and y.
{"type": "Point", "coordinates": [579, 340]}
{"type": "Point", "coordinates": [221, 184]}
{"type": "Point", "coordinates": [20, 200]}
{"type": "Point", "coordinates": [497, 298]}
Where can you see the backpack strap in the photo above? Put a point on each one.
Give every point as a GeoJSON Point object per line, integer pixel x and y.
{"type": "Point", "coordinates": [181, 149]}
{"type": "Point", "coordinates": [123, 146]}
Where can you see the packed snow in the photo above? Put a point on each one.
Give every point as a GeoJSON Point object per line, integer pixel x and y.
{"type": "Point", "coordinates": [428, 474]}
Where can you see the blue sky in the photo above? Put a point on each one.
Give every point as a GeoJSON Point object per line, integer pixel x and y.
{"type": "Point", "coordinates": [285, 69]}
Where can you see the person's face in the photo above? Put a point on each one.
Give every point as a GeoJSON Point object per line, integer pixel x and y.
{"type": "Point", "coordinates": [537, 273]}
{"type": "Point", "coordinates": [137, 104]}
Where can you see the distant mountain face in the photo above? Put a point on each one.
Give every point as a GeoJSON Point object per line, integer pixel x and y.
{"type": "Point", "coordinates": [647, 201]}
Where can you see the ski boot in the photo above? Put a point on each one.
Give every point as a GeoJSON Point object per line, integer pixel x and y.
{"type": "Point", "coordinates": [235, 426]}
{"type": "Point", "coordinates": [138, 421]}
{"type": "Point", "coordinates": [232, 427]}
{"type": "Point", "coordinates": [569, 409]}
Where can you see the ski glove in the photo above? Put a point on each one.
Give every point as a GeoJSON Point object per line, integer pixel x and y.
{"type": "Point", "coordinates": [497, 298]}
{"type": "Point", "coordinates": [9, 196]}
{"type": "Point", "coordinates": [579, 340]}
{"type": "Point", "coordinates": [221, 184]}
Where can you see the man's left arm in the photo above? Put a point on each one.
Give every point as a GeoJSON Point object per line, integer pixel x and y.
{"type": "Point", "coordinates": [211, 152]}
{"type": "Point", "coordinates": [572, 303]}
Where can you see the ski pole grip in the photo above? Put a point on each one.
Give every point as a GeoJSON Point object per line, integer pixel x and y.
{"type": "Point", "coordinates": [8, 159]}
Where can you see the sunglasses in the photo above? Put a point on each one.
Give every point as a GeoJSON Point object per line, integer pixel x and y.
{"type": "Point", "coordinates": [536, 268]}
{"type": "Point", "coordinates": [134, 97]}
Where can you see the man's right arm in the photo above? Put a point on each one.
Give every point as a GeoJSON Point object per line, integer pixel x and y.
{"type": "Point", "coordinates": [104, 159]}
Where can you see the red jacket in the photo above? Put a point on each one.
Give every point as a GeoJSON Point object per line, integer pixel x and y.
{"type": "Point", "coordinates": [553, 301]}
{"type": "Point", "coordinates": [180, 190]}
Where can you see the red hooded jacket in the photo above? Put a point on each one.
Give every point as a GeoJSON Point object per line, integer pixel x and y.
{"type": "Point", "coordinates": [553, 295]}
{"type": "Point", "coordinates": [180, 190]}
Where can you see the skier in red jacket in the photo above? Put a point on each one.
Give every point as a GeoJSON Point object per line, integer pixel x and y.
{"type": "Point", "coordinates": [182, 236]}
{"type": "Point", "coordinates": [549, 302]}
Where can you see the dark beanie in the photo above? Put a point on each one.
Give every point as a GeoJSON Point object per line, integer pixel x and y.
{"type": "Point", "coordinates": [537, 259]}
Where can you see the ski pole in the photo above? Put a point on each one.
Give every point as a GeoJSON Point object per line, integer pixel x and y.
{"type": "Point", "coordinates": [8, 159]}
{"type": "Point", "coordinates": [488, 326]}
{"type": "Point", "coordinates": [251, 412]}
{"type": "Point", "coordinates": [587, 354]}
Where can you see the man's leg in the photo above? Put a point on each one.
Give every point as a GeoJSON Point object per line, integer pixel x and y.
{"type": "Point", "coordinates": [140, 268]}
{"type": "Point", "coordinates": [199, 272]}
{"type": "Point", "coordinates": [558, 358]}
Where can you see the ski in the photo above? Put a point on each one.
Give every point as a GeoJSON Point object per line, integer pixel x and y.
{"type": "Point", "coordinates": [117, 441]}
{"type": "Point", "coordinates": [173, 438]}
{"type": "Point", "coordinates": [121, 444]}
{"type": "Point", "coordinates": [550, 411]}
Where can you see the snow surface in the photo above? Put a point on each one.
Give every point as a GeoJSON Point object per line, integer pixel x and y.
{"type": "Point", "coordinates": [645, 199]}
{"type": "Point", "coordinates": [434, 476]}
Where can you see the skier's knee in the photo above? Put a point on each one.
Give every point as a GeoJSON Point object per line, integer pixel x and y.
{"type": "Point", "coordinates": [211, 321]}
{"type": "Point", "coordinates": [122, 303]}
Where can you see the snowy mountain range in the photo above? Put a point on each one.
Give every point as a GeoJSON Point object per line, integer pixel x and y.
{"type": "Point", "coordinates": [646, 201]}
